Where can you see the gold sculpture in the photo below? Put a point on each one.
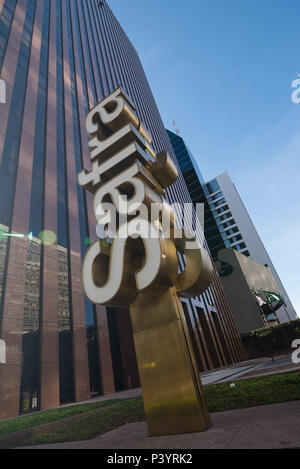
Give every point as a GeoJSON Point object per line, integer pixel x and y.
{"type": "Point", "coordinates": [135, 263]}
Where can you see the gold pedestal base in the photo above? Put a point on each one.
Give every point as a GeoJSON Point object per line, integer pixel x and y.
{"type": "Point", "coordinates": [171, 386]}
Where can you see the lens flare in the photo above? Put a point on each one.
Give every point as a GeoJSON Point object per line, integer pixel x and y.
{"type": "Point", "coordinates": [47, 237]}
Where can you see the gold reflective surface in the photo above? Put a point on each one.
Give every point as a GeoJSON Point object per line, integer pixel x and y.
{"type": "Point", "coordinates": [171, 386]}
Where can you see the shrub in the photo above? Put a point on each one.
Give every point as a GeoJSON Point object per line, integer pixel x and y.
{"type": "Point", "coordinates": [277, 339]}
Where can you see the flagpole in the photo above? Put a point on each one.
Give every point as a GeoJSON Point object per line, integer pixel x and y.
{"type": "Point", "coordinates": [285, 308]}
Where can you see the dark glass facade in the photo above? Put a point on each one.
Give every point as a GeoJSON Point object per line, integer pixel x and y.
{"type": "Point", "coordinates": [198, 191]}
{"type": "Point", "coordinates": [59, 58]}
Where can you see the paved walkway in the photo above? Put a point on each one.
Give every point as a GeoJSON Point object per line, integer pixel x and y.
{"type": "Point", "coordinates": [275, 426]}
{"type": "Point", "coordinates": [250, 369]}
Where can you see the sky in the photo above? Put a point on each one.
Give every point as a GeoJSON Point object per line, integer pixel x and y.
{"type": "Point", "coordinates": [223, 71]}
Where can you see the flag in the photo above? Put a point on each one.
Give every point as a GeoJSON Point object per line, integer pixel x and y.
{"type": "Point", "coordinates": [275, 297]}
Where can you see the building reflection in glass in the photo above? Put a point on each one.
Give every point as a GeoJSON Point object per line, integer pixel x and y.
{"type": "Point", "coordinates": [3, 251]}
{"type": "Point", "coordinates": [66, 372]}
{"type": "Point", "coordinates": [29, 395]}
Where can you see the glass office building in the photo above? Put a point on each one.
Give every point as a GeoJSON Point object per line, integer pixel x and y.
{"type": "Point", "coordinates": [59, 58]}
{"type": "Point", "coordinates": [239, 233]}
{"type": "Point", "coordinates": [226, 221]}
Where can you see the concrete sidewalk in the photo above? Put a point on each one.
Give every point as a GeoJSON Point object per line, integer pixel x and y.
{"type": "Point", "coordinates": [275, 426]}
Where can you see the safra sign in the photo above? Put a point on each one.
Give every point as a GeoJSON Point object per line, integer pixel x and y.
{"type": "Point", "coordinates": [135, 263]}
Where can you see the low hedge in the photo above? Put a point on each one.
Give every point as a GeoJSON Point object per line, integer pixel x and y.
{"type": "Point", "coordinates": [277, 339]}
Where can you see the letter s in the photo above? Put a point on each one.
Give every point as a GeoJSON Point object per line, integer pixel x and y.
{"type": "Point", "coordinates": [296, 93]}
{"type": "Point", "coordinates": [112, 275]}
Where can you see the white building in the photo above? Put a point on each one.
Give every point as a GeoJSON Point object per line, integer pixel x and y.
{"type": "Point", "coordinates": [239, 233]}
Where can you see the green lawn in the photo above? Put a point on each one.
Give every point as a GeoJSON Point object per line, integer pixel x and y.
{"type": "Point", "coordinates": [95, 424]}
{"type": "Point", "coordinates": [47, 416]}
{"type": "Point", "coordinates": [254, 392]}
{"type": "Point", "coordinates": [220, 397]}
